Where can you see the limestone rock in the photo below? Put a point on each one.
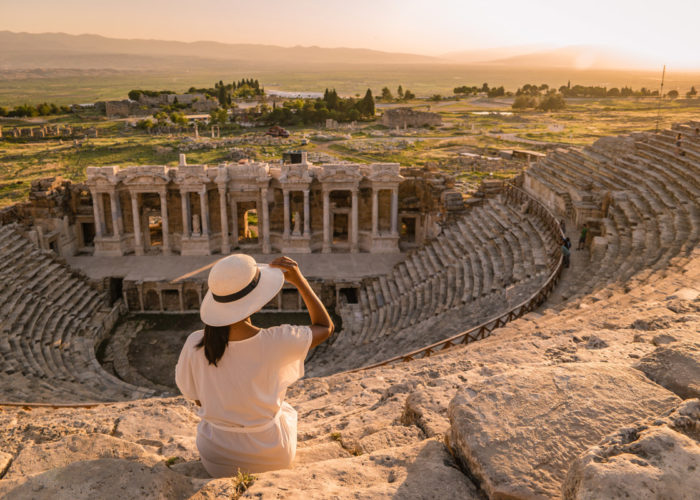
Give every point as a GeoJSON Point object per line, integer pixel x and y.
{"type": "Point", "coordinates": [649, 460]}
{"type": "Point", "coordinates": [108, 477]}
{"type": "Point", "coordinates": [37, 458]}
{"type": "Point", "coordinates": [517, 432]}
{"type": "Point", "coordinates": [320, 452]}
{"type": "Point", "coordinates": [676, 367]}
{"type": "Point", "coordinates": [5, 461]}
{"type": "Point", "coordinates": [422, 471]}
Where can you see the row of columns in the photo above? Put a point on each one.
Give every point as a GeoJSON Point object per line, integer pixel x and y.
{"type": "Point", "coordinates": [262, 209]}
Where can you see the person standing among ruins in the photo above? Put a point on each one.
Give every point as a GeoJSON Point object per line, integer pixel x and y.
{"type": "Point", "coordinates": [566, 253]}
{"type": "Point", "coordinates": [238, 373]}
{"type": "Point", "coordinates": [582, 238]}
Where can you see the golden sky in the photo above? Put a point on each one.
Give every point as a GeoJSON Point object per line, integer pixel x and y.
{"type": "Point", "coordinates": [663, 32]}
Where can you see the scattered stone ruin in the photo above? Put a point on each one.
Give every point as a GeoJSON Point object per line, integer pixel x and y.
{"type": "Point", "coordinates": [407, 117]}
{"type": "Point", "coordinates": [494, 371]}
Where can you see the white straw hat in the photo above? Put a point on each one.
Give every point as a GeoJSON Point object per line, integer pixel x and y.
{"type": "Point", "coordinates": [238, 287]}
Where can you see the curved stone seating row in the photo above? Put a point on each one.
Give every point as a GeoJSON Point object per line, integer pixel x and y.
{"type": "Point", "coordinates": [653, 215]}
{"type": "Point", "coordinates": [50, 317]}
{"type": "Point", "coordinates": [491, 258]}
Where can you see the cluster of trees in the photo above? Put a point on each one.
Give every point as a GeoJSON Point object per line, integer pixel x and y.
{"type": "Point", "coordinates": [401, 94]}
{"type": "Point", "coordinates": [551, 101]}
{"type": "Point", "coordinates": [27, 110]}
{"type": "Point", "coordinates": [466, 90]}
{"type": "Point", "coordinates": [162, 119]}
{"type": "Point", "coordinates": [312, 111]}
{"type": "Point", "coordinates": [136, 93]}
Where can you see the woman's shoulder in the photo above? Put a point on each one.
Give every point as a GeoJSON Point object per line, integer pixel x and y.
{"type": "Point", "coordinates": [287, 331]}
{"type": "Point", "coordinates": [194, 338]}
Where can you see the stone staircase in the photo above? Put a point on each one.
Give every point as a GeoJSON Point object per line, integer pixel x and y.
{"type": "Point", "coordinates": [50, 320]}
{"type": "Point", "coordinates": [479, 266]}
{"type": "Point", "coordinates": [653, 215]}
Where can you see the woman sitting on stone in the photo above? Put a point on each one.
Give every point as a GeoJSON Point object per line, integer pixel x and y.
{"type": "Point", "coordinates": [238, 373]}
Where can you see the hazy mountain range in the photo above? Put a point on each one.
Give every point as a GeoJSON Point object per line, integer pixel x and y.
{"type": "Point", "coordinates": [22, 51]}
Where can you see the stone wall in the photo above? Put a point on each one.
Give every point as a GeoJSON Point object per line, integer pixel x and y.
{"type": "Point", "coordinates": [407, 117]}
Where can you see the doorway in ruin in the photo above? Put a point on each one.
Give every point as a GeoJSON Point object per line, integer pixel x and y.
{"type": "Point", "coordinates": [407, 230]}
{"type": "Point", "coordinates": [155, 231]}
{"type": "Point", "coordinates": [87, 231]}
{"type": "Point", "coordinates": [341, 229]}
{"type": "Point", "coordinates": [191, 300]}
{"type": "Point", "coordinates": [171, 300]}
{"type": "Point", "coordinates": [151, 301]}
{"type": "Point", "coordinates": [247, 216]}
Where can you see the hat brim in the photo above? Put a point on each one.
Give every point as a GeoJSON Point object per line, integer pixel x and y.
{"type": "Point", "coordinates": [215, 313]}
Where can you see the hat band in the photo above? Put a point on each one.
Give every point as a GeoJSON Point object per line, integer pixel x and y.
{"type": "Point", "coordinates": [240, 293]}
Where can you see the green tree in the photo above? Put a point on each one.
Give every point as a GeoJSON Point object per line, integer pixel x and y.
{"type": "Point", "coordinates": [399, 92]}
{"type": "Point", "coordinates": [524, 101]}
{"type": "Point", "coordinates": [146, 124]}
{"type": "Point", "coordinates": [691, 93]}
{"type": "Point", "coordinates": [672, 94]}
{"type": "Point", "coordinates": [552, 102]}
{"type": "Point", "coordinates": [386, 94]}
{"type": "Point", "coordinates": [218, 116]}
{"type": "Point", "coordinates": [366, 105]}
{"type": "Point", "coordinates": [178, 118]}
{"type": "Point", "coordinates": [436, 97]}
{"type": "Point", "coordinates": [408, 95]}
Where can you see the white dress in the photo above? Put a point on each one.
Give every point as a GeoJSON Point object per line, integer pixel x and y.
{"type": "Point", "coordinates": [245, 422]}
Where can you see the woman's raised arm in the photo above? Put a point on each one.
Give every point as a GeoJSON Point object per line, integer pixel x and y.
{"type": "Point", "coordinates": [321, 325]}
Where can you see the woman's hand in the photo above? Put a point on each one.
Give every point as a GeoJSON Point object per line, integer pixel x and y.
{"type": "Point", "coordinates": [290, 268]}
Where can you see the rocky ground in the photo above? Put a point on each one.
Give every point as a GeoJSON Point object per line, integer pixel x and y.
{"type": "Point", "coordinates": [593, 399]}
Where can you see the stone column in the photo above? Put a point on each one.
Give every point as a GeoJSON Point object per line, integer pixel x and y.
{"type": "Point", "coordinates": [96, 213]}
{"type": "Point", "coordinates": [204, 206]}
{"type": "Point", "coordinates": [307, 222]}
{"type": "Point", "coordinates": [353, 223]}
{"type": "Point", "coordinates": [136, 215]}
{"type": "Point", "coordinates": [164, 217]}
{"type": "Point", "coordinates": [326, 222]}
{"type": "Point", "coordinates": [115, 214]}
{"type": "Point", "coordinates": [225, 245]}
{"type": "Point", "coordinates": [375, 212]}
{"type": "Point", "coordinates": [395, 211]}
{"type": "Point", "coordinates": [285, 234]}
{"type": "Point", "coordinates": [234, 222]}
{"type": "Point", "coordinates": [186, 218]}
{"type": "Point", "coordinates": [265, 221]}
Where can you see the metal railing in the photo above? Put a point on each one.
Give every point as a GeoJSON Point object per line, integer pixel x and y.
{"type": "Point", "coordinates": [513, 194]}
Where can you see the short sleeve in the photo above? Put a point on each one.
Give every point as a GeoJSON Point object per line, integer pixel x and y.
{"type": "Point", "coordinates": [291, 343]}
{"type": "Point", "coordinates": [183, 373]}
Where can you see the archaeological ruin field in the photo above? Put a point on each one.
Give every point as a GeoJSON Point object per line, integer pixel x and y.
{"type": "Point", "coordinates": [472, 357]}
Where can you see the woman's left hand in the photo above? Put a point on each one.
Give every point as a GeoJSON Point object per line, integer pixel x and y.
{"type": "Point", "coordinates": [290, 268]}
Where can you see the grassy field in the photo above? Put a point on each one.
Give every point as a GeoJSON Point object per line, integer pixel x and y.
{"type": "Point", "coordinates": [84, 86]}
{"type": "Point", "coordinates": [474, 124]}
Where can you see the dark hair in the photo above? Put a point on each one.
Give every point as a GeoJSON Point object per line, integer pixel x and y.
{"type": "Point", "coordinates": [214, 342]}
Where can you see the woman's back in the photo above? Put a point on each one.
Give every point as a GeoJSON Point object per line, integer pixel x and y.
{"type": "Point", "coordinates": [247, 385]}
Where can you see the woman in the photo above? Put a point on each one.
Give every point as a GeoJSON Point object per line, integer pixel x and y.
{"type": "Point", "coordinates": [238, 373]}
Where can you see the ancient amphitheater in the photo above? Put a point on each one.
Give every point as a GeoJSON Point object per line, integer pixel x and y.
{"type": "Point", "coordinates": [470, 363]}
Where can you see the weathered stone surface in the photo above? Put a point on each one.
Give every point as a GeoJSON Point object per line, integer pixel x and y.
{"type": "Point", "coordinates": [659, 458]}
{"type": "Point", "coordinates": [102, 478]}
{"type": "Point", "coordinates": [676, 367]}
{"type": "Point", "coordinates": [34, 459]}
{"type": "Point", "coordinates": [421, 471]}
{"type": "Point", "coordinates": [5, 461]}
{"type": "Point", "coordinates": [517, 432]}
